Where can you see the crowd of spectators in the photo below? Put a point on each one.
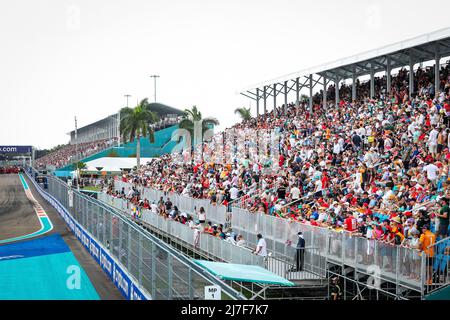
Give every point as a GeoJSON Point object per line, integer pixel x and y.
{"type": "Point", "coordinates": [71, 153]}
{"type": "Point", "coordinates": [166, 209]}
{"type": "Point", "coordinates": [378, 168]}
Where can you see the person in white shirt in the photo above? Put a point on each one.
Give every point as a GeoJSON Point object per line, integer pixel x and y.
{"type": "Point", "coordinates": [432, 141]}
{"type": "Point", "coordinates": [431, 170]}
{"type": "Point", "coordinates": [240, 241]}
{"type": "Point", "coordinates": [337, 148]}
{"type": "Point", "coordinates": [295, 193]}
{"type": "Point", "coordinates": [261, 246]}
{"type": "Point", "coordinates": [234, 193]}
{"type": "Point", "coordinates": [154, 208]}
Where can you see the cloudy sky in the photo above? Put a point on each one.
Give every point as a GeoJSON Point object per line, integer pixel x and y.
{"type": "Point", "coordinates": [60, 59]}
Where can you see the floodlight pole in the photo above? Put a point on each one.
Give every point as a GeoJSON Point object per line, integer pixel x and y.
{"type": "Point", "coordinates": [118, 120]}
{"type": "Point", "coordinates": [154, 76]}
{"type": "Point", "coordinates": [76, 158]}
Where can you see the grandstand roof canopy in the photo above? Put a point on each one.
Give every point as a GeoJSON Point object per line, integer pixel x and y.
{"type": "Point", "coordinates": [163, 110]}
{"type": "Point", "coordinates": [243, 273]}
{"type": "Point", "coordinates": [421, 48]}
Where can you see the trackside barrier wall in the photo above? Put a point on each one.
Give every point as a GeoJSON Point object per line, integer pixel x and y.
{"type": "Point", "coordinates": [129, 289]}
{"type": "Point", "coordinates": [214, 246]}
{"type": "Point", "coordinates": [403, 266]}
{"type": "Point", "coordinates": [138, 265]}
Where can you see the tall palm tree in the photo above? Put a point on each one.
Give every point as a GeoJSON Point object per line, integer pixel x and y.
{"type": "Point", "coordinates": [244, 113]}
{"type": "Point", "coordinates": [193, 115]}
{"type": "Point", "coordinates": [136, 122]}
{"type": "Point", "coordinates": [190, 118]}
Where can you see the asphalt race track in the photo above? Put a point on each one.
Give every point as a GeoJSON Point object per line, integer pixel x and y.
{"type": "Point", "coordinates": [17, 215]}
{"type": "Point", "coordinates": [18, 218]}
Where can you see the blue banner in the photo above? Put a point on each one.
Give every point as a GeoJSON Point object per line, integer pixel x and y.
{"type": "Point", "coordinates": [15, 149]}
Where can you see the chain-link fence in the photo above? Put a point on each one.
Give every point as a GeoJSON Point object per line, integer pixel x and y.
{"type": "Point", "coordinates": [220, 249]}
{"type": "Point", "coordinates": [162, 273]}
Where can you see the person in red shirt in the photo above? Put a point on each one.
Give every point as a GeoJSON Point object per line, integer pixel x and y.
{"type": "Point", "coordinates": [325, 180]}
{"type": "Point", "coordinates": [350, 222]}
{"type": "Point", "coordinates": [281, 160]}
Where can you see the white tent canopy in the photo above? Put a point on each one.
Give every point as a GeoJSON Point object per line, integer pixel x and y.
{"type": "Point", "coordinates": [114, 164]}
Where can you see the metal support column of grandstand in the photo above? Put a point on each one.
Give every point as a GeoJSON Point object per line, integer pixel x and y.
{"type": "Point", "coordinates": [285, 97]}
{"type": "Point", "coordinates": [336, 89]}
{"type": "Point", "coordinates": [436, 69]}
{"type": "Point", "coordinates": [355, 282]}
{"type": "Point", "coordinates": [411, 75]}
{"type": "Point", "coordinates": [310, 93]}
{"type": "Point", "coordinates": [257, 101]}
{"type": "Point", "coordinates": [388, 75]}
{"type": "Point", "coordinates": [274, 96]}
{"type": "Point", "coordinates": [324, 97]}
{"type": "Point", "coordinates": [372, 81]}
{"type": "Point", "coordinates": [354, 83]}
{"type": "Point", "coordinates": [265, 99]}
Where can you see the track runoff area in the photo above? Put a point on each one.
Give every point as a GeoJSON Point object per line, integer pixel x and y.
{"type": "Point", "coordinates": [40, 259]}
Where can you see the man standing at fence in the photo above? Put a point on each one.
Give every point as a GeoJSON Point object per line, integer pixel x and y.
{"type": "Point", "coordinates": [261, 246]}
{"type": "Point", "coordinates": [299, 253]}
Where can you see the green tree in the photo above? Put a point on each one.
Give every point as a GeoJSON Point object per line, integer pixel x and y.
{"type": "Point", "coordinates": [193, 115]}
{"type": "Point", "coordinates": [190, 118]}
{"type": "Point", "coordinates": [244, 113]}
{"type": "Point", "coordinates": [136, 122]}
{"type": "Point", "coordinates": [79, 165]}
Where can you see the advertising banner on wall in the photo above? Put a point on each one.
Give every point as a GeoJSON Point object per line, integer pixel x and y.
{"type": "Point", "coordinates": [15, 149]}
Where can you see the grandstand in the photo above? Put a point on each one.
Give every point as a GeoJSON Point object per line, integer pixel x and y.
{"type": "Point", "coordinates": [367, 183]}
{"type": "Point", "coordinates": [429, 47]}
{"type": "Point", "coordinates": [102, 138]}
{"type": "Point", "coordinates": [359, 171]}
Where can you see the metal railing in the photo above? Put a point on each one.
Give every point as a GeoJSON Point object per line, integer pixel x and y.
{"type": "Point", "coordinates": [391, 263]}
{"type": "Point", "coordinates": [162, 272]}
{"type": "Point", "coordinates": [437, 265]}
{"type": "Point", "coordinates": [220, 249]}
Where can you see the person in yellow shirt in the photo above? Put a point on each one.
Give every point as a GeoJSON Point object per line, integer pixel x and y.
{"type": "Point", "coordinates": [427, 240]}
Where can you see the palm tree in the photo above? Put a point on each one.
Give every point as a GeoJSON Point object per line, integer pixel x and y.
{"type": "Point", "coordinates": [136, 122]}
{"type": "Point", "coordinates": [190, 118]}
{"type": "Point", "coordinates": [244, 113]}
{"type": "Point", "coordinates": [304, 98]}
{"type": "Point", "coordinates": [77, 166]}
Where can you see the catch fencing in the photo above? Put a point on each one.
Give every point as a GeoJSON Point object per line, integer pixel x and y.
{"type": "Point", "coordinates": [147, 263]}
{"type": "Point", "coordinates": [220, 249]}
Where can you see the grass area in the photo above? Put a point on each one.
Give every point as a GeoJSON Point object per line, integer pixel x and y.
{"type": "Point", "coordinates": [92, 188]}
